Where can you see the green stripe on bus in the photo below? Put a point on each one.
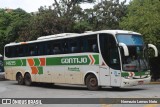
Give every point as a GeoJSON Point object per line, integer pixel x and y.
{"type": "Point", "coordinates": [71, 60]}
{"type": "Point", "coordinates": [18, 62]}
{"type": "Point", "coordinates": [36, 62]}
{"type": "Point", "coordinates": [96, 57]}
{"type": "Point", "coordinates": [68, 60]}
{"type": "Point", "coordinates": [142, 73]}
{"type": "Point", "coordinates": [40, 70]}
{"type": "Point", "coordinates": [124, 74]}
{"type": "Point", "coordinates": [24, 62]}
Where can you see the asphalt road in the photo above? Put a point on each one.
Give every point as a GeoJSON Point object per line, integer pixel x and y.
{"type": "Point", "coordinates": [10, 89]}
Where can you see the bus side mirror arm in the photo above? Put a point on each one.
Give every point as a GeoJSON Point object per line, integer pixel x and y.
{"type": "Point", "coordinates": [155, 49]}
{"type": "Point", "coordinates": [125, 48]}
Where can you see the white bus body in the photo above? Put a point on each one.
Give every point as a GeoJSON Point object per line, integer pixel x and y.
{"type": "Point", "coordinates": [113, 58]}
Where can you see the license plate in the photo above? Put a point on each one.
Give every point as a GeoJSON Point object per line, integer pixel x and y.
{"type": "Point", "coordinates": [140, 82]}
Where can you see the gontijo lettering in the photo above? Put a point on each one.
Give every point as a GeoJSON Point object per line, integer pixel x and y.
{"type": "Point", "coordinates": [73, 60]}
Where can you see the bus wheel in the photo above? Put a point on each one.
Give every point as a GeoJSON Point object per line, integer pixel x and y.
{"type": "Point", "coordinates": [91, 82]}
{"type": "Point", "coordinates": [20, 79]}
{"type": "Point", "coordinates": [27, 79]}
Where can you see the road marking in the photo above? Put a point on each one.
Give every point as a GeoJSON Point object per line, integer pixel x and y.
{"type": "Point", "coordinates": [106, 105]}
{"type": "Point", "coordinates": [102, 102]}
{"type": "Point", "coordinates": [151, 105]}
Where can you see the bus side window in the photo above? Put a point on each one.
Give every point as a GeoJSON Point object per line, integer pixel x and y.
{"type": "Point", "coordinates": [20, 51]}
{"type": "Point", "coordinates": [83, 44]}
{"type": "Point", "coordinates": [13, 51]}
{"type": "Point", "coordinates": [92, 43]}
{"type": "Point", "coordinates": [7, 52]}
{"type": "Point", "coordinates": [33, 50]}
{"type": "Point", "coordinates": [65, 46]}
{"type": "Point", "coordinates": [57, 47]}
{"type": "Point", "coordinates": [56, 50]}
{"type": "Point", "coordinates": [48, 48]}
{"type": "Point", "coordinates": [73, 45]}
{"type": "Point", "coordinates": [41, 48]}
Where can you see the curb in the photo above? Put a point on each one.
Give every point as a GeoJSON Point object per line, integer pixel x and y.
{"type": "Point", "coordinates": [154, 82]}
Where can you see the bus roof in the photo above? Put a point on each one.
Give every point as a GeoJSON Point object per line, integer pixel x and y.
{"type": "Point", "coordinates": [69, 35]}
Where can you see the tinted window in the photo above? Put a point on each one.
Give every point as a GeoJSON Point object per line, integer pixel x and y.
{"type": "Point", "coordinates": [73, 45]}
{"type": "Point", "coordinates": [10, 51]}
{"type": "Point", "coordinates": [56, 47]}
{"type": "Point", "coordinates": [32, 49]}
{"type": "Point", "coordinates": [41, 48]}
{"type": "Point", "coordinates": [20, 51]}
{"type": "Point", "coordinates": [63, 46]}
{"type": "Point", "coordinates": [92, 43]}
{"type": "Point", "coordinates": [109, 50]}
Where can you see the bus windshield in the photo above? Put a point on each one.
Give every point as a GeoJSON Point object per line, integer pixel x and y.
{"type": "Point", "coordinates": [137, 59]}
{"type": "Point", "coordinates": [130, 39]}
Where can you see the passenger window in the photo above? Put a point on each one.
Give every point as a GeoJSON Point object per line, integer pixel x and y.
{"type": "Point", "coordinates": [56, 47]}
{"type": "Point", "coordinates": [92, 43]}
{"type": "Point", "coordinates": [41, 48]}
{"type": "Point", "coordinates": [20, 51]}
{"type": "Point", "coordinates": [109, 51]}
{"type": "Point", "coordinates": [73, 45]}
{"type": "Point", "coordinates": [48, 48]}
{"type": "Point", "coordinates": [8, 52]}
{"type": "Point", "coordinates": [33, 50]}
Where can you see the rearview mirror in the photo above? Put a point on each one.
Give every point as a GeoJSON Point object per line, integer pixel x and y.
{"type": "Point", "coordinates": [125, 48]}
{"type": "Point", "coordinates": [154, 48]}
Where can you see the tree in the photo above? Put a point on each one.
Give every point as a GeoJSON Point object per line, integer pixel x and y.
{"type": "Point", "coordinates": [143, 16]}
{"type": "Point", "coordinates": [11, 22]}
{"type": "Point", "coordinates": [61, 17]}
{"type": "Point", "coordinates": [106, 15]}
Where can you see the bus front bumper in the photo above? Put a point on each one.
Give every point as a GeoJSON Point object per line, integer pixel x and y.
{"type": "Point", "coordinates": [133, 82]}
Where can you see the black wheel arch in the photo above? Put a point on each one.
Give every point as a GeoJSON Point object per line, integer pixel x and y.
{"type": "Point", "coordinates": [17, 74]}
{"type": "Point", "coordinates": [89, 73]}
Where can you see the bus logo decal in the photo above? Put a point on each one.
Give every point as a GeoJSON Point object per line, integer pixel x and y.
{"type": "Point", "coordinates": [36, 65]}
{"type": "Point", "coordinates": [92, 60]}
{"type": "Point", "coordinates": [30, 62]}
{"type": "Point", "coordinates": [73, 60]}
{"type": "Point", "coordinates": [42, 61]}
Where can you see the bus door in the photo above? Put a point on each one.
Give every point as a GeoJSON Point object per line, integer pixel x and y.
{"type": "Point", "coordinates": [110, 55]}
{"type": "Point", "coordinates": [114, 63]}
{"type": "Point", "coordinates": [115, 77]}
{"type": "Point", "coordinates": [104, 75]}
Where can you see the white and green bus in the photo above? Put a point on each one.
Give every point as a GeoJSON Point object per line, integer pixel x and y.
{"type": "Point", "coordinates": [115, 58]}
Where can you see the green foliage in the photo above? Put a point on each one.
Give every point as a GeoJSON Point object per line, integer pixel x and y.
{"type": "Point", "coordinates": [11, 22]}
{"type": "Point", "coordinates": [143, 16]}
{"type": "Point", "coordinates": [107, 14]}
{"type": "Point", "coordinates": [82, 1]}
{"type": "Point", "coordinates": [61, 17]}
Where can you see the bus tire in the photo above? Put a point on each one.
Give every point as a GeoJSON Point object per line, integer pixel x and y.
{"type": "Point", "coordinates": [91, 82]}
{"type": "Point", "coordinates": [27, 79]}
{"type": "Point", "coordinates": [20, 79]}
